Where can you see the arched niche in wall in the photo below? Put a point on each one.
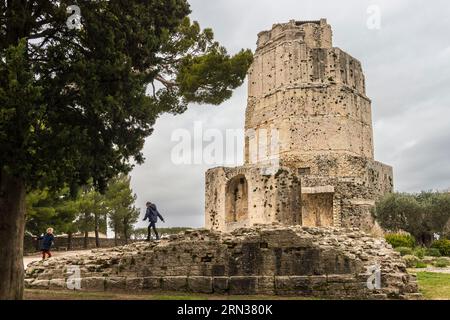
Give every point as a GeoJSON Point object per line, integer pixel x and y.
{"type": "Point", "coordinates": [236, 203]}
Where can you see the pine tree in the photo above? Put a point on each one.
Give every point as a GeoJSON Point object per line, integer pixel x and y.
{"type": "Point", "coordinates": [122, 212]}
{"type": "Point", "coordinates": [74, 103]}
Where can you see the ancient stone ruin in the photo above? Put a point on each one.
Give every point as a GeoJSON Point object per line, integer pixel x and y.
{"type": "Point", "coordinates": [309, 117]}
{"type": "Point", "coordinates": [270, 260]}
{"type": "Point", "coordinates": [294, 230]}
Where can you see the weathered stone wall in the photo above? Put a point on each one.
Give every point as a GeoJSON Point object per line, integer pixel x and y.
{"type": "Point", "coordinates": [321, 262]}
{"type": "Point", "coordinates": [285, 196]}
{"type": "Point", "coordinates": [271, 198]}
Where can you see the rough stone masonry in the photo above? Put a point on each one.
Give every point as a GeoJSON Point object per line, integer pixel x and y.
{"type": "Point", "coordinates": [309, 98]}
{"type": "Point", "coordinates": [264, 259]}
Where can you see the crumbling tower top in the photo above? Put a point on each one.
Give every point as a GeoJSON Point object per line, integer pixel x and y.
{"type": "Point", "coordinates": [311, 92]}
{"type": "Point", "coordinates": [316, 33]}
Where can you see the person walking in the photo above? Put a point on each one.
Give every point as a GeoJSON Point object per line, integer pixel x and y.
{"type": "Point", "coordinates": [152, 215]}
{"type": "Point", "coordinates": [47, 242]}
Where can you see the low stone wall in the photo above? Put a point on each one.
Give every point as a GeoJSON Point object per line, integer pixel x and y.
{"type": "Point", "coordinates": [31, 245]}
{"type": "Point", "coordinates": [274, 260]}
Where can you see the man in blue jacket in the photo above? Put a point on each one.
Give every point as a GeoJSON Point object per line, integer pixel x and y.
{"type": "Point", "coordinates": [152, 214]}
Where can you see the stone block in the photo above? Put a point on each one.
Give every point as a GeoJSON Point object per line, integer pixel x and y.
{"type": "Point", "coordinates": [340, 278]}
{"type": "Point", "coordinates": [28, 283]}
{"type": "Point", "coordinates": [266, 285]}
{"type": "Point", "coordinates": [115, 283]}
{"type": "Point", "coordinates": [293, 285]}
{"type": "Point", "coordinates": [57, 284]}
{"type": "Point", "coordinates": [174, 283]}
{"type": "Point", "coordinates": [354, 285]}
{"type": "Point", "coordinates": [414, 296]}
{"type": "Point", "coordinates": [379, 296]}
{"type": "Point", "coordinates": [98, 284]}
{"type": "Point", "coordinates": [40, 284]}
{"type": "Point", "coordinates": [200, 284]}
{"type": "Point", "coordinates": [151, 283]}
{"type": "Point", "coordinates": [134, 284]}
{"type": "Point", "coordinates": [335, 287]}
{"type": "Point", "coordinates": [242, 285]}
{"type": "Point", "coordinates": [220, 284]}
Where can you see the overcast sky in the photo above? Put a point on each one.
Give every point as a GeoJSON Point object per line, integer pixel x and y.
{"type": "Point", "coordinates": [406, 63]}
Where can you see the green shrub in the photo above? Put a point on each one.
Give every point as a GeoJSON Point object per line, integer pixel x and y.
{"type": "Point", "coordinates": [411, 261]}
{"type": "Point", "coordinates": [404, 251]}
{"type": "Point", "coordinates": [400, 240]}
{"type": "Point", "coordinates": [421, 265]}
{"type": "Point", "coordinates": [433, 252]}
{"type": "Point", "coordinates": [419, 252]}
{"type": "Point", "coordinates": [441, 263]}
{"type": "Point", "coordinates": [443, 246]}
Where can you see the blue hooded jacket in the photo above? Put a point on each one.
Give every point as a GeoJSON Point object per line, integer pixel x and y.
{"type": "Point", "coordinates": [152, 214]}
{"type": "Point", "coordinates": [47, 241]}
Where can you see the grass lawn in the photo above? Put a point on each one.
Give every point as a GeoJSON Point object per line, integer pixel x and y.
{"type": "Point", "coordinates": [433, 286]}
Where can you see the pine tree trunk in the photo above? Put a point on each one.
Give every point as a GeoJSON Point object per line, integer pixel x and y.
{"type": "Point", "coordinates": [86, 239]}
{"type": "Point", "coordinates": [86, 232]}
{"type": "Point", "coordinates": [69, 241]}
{"type": "Point", "coordinates": [125, 231]}
{"type": "Point", "coordinates": [115, 235]}
{"type": "Point", "coordinates": [97, 240]}
{"type": "Point", "coordinates": [12, 225]}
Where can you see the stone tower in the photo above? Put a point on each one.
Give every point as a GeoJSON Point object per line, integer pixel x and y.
{"type": "Point", "coordinates": [309, 156]}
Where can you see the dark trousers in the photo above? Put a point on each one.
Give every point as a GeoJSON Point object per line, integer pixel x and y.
{"type": "Point", "coordinates": [152, 226]}
{"type": "Point", "coordinates": [44, 252]}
